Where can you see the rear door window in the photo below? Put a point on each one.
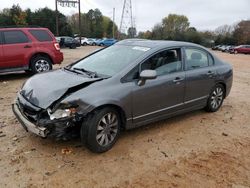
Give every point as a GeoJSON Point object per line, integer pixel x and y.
{"type": "Point", "coordinates": [196, 58]}
{"type": "Point", "coordinates": [41, 35]}
{"type": "Point", "coordinates": [15, 37]}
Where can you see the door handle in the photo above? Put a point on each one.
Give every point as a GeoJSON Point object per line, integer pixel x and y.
{"type": "Point", "coordinates": [178, 80]}
{"type": "Point", "coordinates": [210, 73]}
{"type": "Point", "coordinates": [27, 46]}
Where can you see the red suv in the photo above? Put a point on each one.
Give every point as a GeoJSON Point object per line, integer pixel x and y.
{"type": "Point", "coordinates": [31, 49]}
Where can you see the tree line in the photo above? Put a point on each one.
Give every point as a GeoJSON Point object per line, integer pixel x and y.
{"type": "Point", "coordinates": [177, 27]}
{"type": "Point", "coordinates": [94, 24]}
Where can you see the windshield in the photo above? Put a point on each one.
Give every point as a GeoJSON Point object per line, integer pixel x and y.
{"type": "Point", "coordinates": [111, 60]}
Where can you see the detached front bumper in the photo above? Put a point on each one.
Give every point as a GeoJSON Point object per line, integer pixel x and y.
{"type": "Point", "coordinates": [27, 125]}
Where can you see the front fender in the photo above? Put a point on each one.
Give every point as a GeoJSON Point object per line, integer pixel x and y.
{"type": "Point", "coordinates": [91, 107]}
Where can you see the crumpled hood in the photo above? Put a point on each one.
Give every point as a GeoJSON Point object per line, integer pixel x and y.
{"type": "Point", "coordinates": [44, 89]}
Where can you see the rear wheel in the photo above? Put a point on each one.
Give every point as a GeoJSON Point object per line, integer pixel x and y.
{"type": "Point", "coordinates": [73, 46]}
{"type": "Point", "coordinates": [101, 130]}
{"type": "Point", "coordinates": [216, 98]}
{"type": "Point", "coordinates": [40, 64]}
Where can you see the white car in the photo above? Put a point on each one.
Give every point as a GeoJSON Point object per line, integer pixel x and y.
{"type": "Point", "coordinates": [84, 40]}
{"type": "Point", "coordinates": [91, 42]}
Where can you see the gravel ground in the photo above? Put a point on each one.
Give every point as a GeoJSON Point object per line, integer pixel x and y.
{"type": "Point", "coordinates": [198, 149]}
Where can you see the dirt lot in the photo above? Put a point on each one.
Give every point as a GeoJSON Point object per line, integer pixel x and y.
{"type": "Point", "coordinates": [198, 149]}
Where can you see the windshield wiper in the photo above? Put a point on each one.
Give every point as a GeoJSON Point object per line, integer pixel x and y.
{"type": "Point", "coordinates": [87, 72]}
{"type": "Point", "coordinates": [68, 68]}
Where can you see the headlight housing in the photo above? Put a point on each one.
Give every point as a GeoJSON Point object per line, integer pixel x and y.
{"type": "Point", "coordinates": [61, 113]}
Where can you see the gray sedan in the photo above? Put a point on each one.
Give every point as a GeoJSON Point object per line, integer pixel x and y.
{"type": "Point", "coordinates": [133, 83]}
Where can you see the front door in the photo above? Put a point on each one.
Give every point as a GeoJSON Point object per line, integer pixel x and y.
{"type": "Point", "coordinates": [16, 47]}
{"type": "Point", "coordinates": [163, 95]}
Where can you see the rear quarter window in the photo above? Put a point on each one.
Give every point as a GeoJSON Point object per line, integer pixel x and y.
{"type": "Point", "coordinates": [41, 35]}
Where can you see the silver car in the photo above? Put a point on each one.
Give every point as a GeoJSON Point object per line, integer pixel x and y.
{"type": "Point", "coordinates": [130, 84]}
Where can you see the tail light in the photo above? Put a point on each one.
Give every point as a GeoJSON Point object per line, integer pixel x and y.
{"type": "Point", "coordinates": [57, 46]}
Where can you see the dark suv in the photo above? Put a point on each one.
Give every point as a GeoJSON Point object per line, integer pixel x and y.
{"type": "Point", "coordinates": [69, 42]}
{"type": "Point", "coordinates": [31, 49]}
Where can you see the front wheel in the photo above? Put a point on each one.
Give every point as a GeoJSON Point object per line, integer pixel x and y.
{"type": "Point", "coordinates": [216, 98]}
{"type": "Point", "coordinates": [101, 130]}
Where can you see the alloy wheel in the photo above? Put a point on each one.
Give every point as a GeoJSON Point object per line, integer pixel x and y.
{"type": "Point", "coordinates": [217, 97]}
{"type": "Point", "coordinates": [107, 129]}
{"type": "Point", "coordinates": [42, 65]}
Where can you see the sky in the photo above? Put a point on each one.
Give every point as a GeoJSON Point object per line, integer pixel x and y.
{"type": "Point", "coordinates": [202, 14]}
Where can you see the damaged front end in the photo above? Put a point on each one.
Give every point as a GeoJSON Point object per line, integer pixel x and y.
{"type": "Point", "coordinates": [63, 123]}
{"type": "Point", "coordinates": [42, 108]}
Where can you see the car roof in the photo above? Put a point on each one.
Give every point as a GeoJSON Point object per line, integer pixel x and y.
{"type": "Point", "coordinates": [23, 28]}
{"type": "Point", "coordinates": [155, 43]}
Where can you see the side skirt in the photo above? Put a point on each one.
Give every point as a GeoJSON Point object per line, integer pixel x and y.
{"type": "Point", "coordinates": [131, 125]}
{"type": "Point", "coordinates": [14, 69]}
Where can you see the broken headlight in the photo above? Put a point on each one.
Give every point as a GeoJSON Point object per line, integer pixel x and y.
{"type": "Point", "coordinates": [62, 113]}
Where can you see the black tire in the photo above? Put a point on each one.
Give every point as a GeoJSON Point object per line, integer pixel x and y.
{"type": "Point", "coordinates": [45, 64]}
{"type": "Point", "coordinates": [90, 130]}
{"type": "Point", "coordinates": [216, 98]}
{"type": "Point", "coordinates": [73, 46]}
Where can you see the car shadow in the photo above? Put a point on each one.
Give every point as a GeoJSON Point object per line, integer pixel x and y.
{"type": "Point", "coordinates": [125, 134]}
{"type": "Point", "coordinates": [13, 76]}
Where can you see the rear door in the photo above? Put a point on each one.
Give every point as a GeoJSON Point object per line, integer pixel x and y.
{"type": "Point", "coordinates": [200, 75]}
{"type": "Point", "coordinates": [16, 49]}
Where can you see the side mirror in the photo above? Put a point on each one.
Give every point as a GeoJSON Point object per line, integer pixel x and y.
{"type": "Point", "coordinates": [147, 75]}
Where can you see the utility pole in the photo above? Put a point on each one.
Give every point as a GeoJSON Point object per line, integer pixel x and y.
{"type": "Point", "coordinates": [113, 23]}
{"type": "Point", "coordinates": [68, 3]}
{"type": "Point", "coordinates": [57, 24]}
{"type": "Point", "coordinates": [127, 17]}
{"type": "Point", "coordinates": [79, 9]}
